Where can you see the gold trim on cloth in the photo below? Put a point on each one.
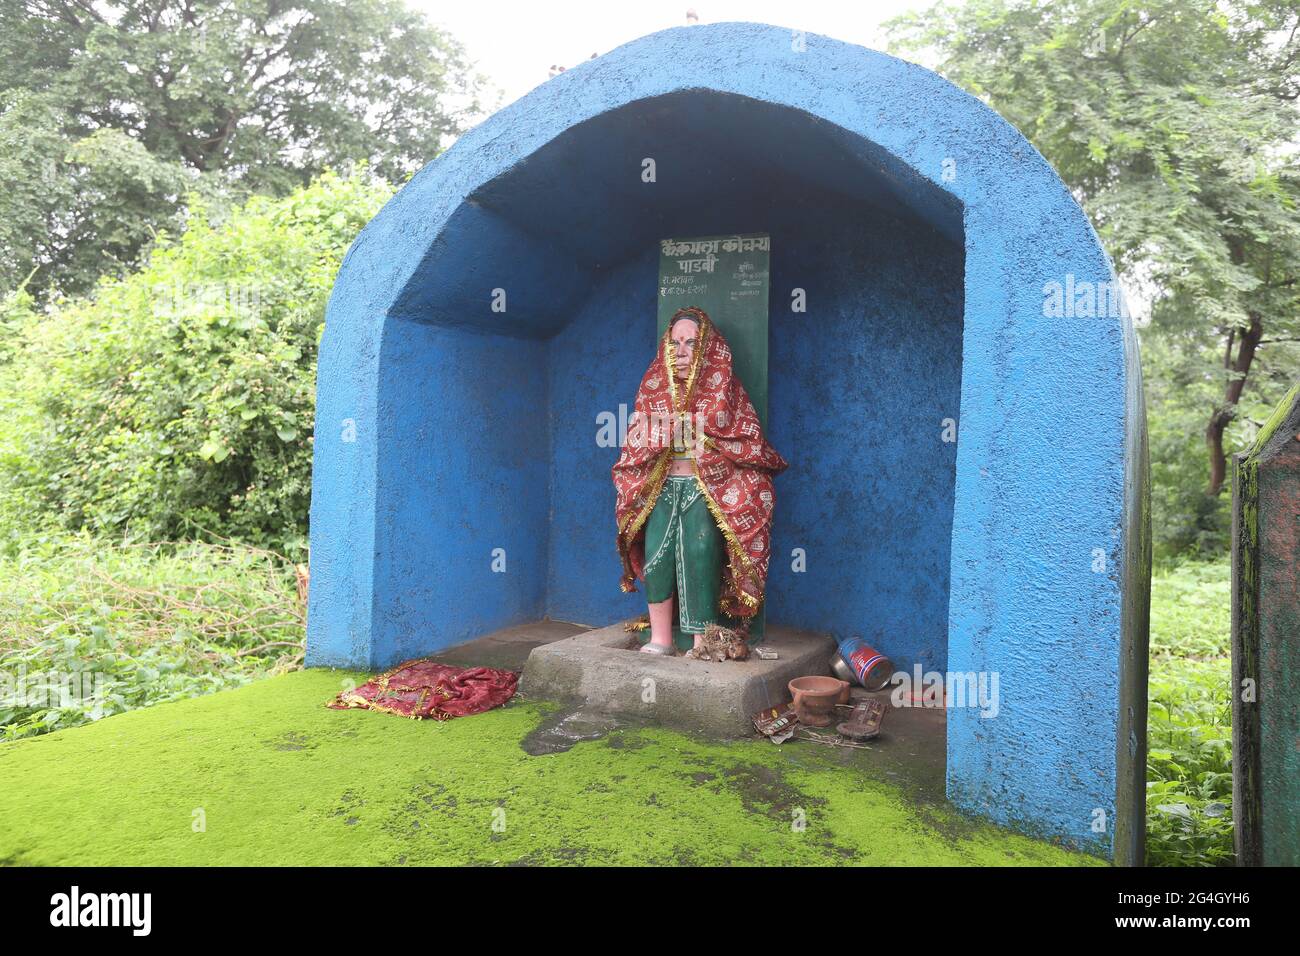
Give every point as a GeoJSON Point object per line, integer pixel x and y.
{"type": "Point", "coordinates": [681, 402]}
{"type": "Point", "coordinates": [628, 533]}
{"type": "Point", "coordinates": [733, 542]}
{"type": "Point", "coordinates": [660, 471]}
{"type": "Point", "coordinates": [354, 701]}
{"type": "Point", "coordinates": [697, 359]}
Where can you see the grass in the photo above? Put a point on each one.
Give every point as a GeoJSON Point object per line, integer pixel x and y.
{"type": "Point", "coordinates": [1189, 725]}
{"type": "Point", "coordinates": [90, 629]}
{"type": "Point", "coordinates": [265, 774]}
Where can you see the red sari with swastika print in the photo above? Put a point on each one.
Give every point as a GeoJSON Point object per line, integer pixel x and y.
{"type": "Point", "coordinates": [734, 464]}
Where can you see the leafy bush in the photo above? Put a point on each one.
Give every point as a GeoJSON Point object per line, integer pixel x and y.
{"type": "Point", "coordinates": [88, 629]}
{"type": "Point", "coordinates": [180, 398]}
{"type": "Point", "coordinates": [1187, 521]}
{"type": "Point", "coordinates": [1189, 727]}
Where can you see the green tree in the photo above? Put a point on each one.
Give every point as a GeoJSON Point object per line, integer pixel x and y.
{"type": "Point", "coordinates": [1175, 123]}
{"type": "Point", "coordinates": [77, 207]}
{"type": "Point", "coordinates": [180, 397]}
{"type": "Point", "coordinates": [112, 110]}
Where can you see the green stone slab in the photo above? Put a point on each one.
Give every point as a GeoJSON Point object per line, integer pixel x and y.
{"type": "Point", "coordinates": [731, 283]}
{"type": "Point", "coordinates": [1266, 643]}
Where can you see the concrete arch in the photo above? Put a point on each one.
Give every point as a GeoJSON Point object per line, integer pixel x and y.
{"type": "Point", "coordinates": [959, 233]}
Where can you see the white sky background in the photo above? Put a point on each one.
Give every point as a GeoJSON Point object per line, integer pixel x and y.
{"type": "Point", "coordinates": [515, 43]}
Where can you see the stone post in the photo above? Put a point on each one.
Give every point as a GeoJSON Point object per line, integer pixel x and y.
{"type": "Point", "coordinates": [1266, 643]}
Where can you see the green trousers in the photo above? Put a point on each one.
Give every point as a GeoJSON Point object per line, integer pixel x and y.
{"type": "Point", "coordinates": [683, 550]}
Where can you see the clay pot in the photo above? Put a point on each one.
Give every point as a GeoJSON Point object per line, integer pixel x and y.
{"type": "Point", "coordinates": [815, 699]}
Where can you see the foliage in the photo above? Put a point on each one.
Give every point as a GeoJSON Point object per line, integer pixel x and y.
{"type": "Point", "coordinates": [111, 111]}
{"type": "Point", "coordinates": [1187, 520]}
{"type": "Point", "coordinates": [1189, 725]}
{"type": "Point", "coordinates": [84, 206]}
{"type": "Point", "coordinates": [1175, 123]}
{"type": "Point", "coordinates": [180, 398]}
{"type": "Point", "coordinates": [88, 629]}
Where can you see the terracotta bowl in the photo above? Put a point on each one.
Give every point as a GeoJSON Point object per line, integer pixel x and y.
{"type": "Point", "coordinates": [815, 698]}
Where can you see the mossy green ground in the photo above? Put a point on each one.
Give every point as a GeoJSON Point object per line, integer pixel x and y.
{"type": "Point", "coordinates": [281, 779]}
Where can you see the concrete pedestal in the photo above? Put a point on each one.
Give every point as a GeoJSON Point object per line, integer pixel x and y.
{"type": "Point", "coordinates": [603, 671]}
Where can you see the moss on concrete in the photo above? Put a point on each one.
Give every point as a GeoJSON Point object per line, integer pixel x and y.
{"type": "Point", "coordinates": [1274, 422]}
{"type": "Point", "coordinates": [281, 779]}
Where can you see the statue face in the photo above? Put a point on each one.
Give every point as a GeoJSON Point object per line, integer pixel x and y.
{"type": "Point", "coordinates": [683, 336]}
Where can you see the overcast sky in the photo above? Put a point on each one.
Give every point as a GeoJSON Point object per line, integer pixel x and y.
{"type": "Point", "coordinates": [515, 43]}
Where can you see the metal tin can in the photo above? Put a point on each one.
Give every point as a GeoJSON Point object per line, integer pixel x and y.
{"type": "Point", "coordinates": [840, 669]}
{"type": "Point", "coordinates": [870, 668]}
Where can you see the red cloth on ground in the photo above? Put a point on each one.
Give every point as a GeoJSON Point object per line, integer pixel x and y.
{"type": "Point", "coordinates": [422, 688]}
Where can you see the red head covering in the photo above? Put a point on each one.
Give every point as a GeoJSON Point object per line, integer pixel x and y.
{"type": "Point", "coordinates": [734, 464]}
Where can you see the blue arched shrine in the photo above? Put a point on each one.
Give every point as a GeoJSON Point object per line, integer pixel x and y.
{"type": "Point", "coordinates": [951, 280]}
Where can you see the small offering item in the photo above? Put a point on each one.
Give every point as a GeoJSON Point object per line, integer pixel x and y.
{"type": "Point", "coordinates": [424, 688]}
{"type": "Point", "coordinates": [815, 699]}
{"type": "Point", "coordinates": [777, 724]}
{"type": "Point", "coordinates": [864, 664]}
{"type": "Point", "coordinates": [719, 643]}
{"type": "Point", "coordinates": [864, 721]}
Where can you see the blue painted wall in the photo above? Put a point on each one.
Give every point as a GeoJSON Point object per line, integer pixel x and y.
{"type": "Point", "coordinates": [462, 472]}
{"type": "Point", "coordinates": [861, 383]}
{"type": "Point", "coordinates": [860, 387]}
{"type": "Point", "coordinates": [445, 429]}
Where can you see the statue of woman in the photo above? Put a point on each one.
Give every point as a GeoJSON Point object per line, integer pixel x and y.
{"type": "Point", "coordinates": [694, 487]}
